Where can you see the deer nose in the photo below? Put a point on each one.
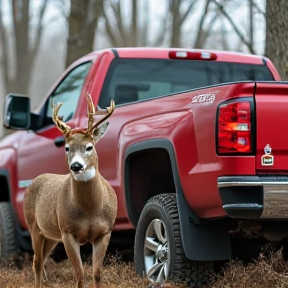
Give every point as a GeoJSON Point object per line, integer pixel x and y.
{"type": "Point", "coordinates": [76, 167]}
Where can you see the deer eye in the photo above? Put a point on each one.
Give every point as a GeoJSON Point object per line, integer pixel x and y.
{"type": "Point", "coordinates": [67, 148]}
{"type": "Point", "coordinates": [89, 148]}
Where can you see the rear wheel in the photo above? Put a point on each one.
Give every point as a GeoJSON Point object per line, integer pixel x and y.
{"type": "Point", "coordinates": [8, 243]}
{"type": "Point", "coordinates": [158, 251]}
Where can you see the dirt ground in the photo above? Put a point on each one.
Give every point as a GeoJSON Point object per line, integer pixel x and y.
{"type": "Point", "coordinates": [267, 271]}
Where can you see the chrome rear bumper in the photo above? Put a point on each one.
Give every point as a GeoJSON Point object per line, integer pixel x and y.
{"type": "Point", "coordinates": [254, 197]}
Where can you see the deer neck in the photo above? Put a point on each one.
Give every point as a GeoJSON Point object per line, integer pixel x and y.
{"type": "Point", "coordinates": [88, 194]}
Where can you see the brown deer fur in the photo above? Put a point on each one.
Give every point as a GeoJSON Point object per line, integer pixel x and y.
{"type": "Point", "coordinates": [58, 208]}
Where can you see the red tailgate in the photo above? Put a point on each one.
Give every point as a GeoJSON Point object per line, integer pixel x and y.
{"type": "Point", "coordinates": [272, 128]}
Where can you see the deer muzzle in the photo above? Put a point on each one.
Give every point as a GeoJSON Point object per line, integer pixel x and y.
{"type": "Point", "coordinates": [76, 167]}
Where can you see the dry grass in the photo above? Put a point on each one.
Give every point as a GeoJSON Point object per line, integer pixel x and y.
{"type": "Point", "coordinates": [17, 272]}
{"type": "Point", "coordinates": [267, 271]}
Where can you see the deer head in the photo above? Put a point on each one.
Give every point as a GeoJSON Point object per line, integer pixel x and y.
{"type": "Point", "coordinates": [79, 143]}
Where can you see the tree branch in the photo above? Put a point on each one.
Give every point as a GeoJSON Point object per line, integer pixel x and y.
{"type": "Point", "coordinates": [258, 9]}
{"type": "Point", "coordinates": [39, 29]}
{"type": "Point", "coordinates": [207, 32]}
{"type": "Point", "coordinates": [134, 24]}
{"type": "Point", "coordinates": [200, 27]}
{"type": "Point", "coordinates": [161, 35]}
{"type": "Point", "coordinates": [117, 9]}
{"type": "Point", "coordinates": [222, 10]}
{"type": "Point", "coordinates": [186, 13]}
{"type": "Point", "coordinates": [143, 39]}
{"type": "Point", "coordinates": [111, 32]}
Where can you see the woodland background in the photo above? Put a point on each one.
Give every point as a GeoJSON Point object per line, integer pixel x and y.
{"type": "Point", "coordinates": [40, 38]}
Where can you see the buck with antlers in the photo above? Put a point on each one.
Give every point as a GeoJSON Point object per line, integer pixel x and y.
{"type": "Point", "coordinates": [76, 208]}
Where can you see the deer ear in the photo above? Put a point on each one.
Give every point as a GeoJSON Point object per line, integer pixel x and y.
{"type": "Point", "coordinates": [99, 132]}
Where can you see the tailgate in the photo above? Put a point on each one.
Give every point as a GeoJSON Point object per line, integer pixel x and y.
{"type": "Point", "coordinates": [271, 101]}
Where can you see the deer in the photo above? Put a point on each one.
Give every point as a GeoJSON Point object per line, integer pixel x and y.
{"type": "Point", "coordinates": [76, 208]}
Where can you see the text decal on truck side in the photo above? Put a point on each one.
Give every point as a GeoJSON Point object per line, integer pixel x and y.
{"type": "Point", "coordinates": [204, 98]}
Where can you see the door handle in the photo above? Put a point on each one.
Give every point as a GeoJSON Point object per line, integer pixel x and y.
{"type": "Point", "coordinates": [59, 141]}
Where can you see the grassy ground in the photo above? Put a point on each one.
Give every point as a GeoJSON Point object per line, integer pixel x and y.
{"type": "Point", "coordinates": [267, 271]}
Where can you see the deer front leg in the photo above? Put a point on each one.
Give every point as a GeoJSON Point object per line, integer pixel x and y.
{"type": "Point", "coordinates": [99, 250]}
{"type": "Point", "coordinates": [73, 251]}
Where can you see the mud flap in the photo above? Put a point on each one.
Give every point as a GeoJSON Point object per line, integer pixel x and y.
{"type": "Point", "coordinates": [202, 241]}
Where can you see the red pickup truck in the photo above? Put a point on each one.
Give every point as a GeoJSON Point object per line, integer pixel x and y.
{"type": "Point", "coordinates": [194, 150]}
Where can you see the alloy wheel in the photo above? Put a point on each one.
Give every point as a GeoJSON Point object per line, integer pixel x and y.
{"type": "Point", "coordinates": [156, 252]}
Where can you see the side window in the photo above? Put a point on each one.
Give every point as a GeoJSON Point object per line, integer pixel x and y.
{"type": "Point", "coordinates": [69, 91]}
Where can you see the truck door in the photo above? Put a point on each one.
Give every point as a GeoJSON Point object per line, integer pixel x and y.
{"type": "Point", "coordinates": [42, 151]}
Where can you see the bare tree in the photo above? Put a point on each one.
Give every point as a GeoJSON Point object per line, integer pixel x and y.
{"type": "Point", "coordinates": [83, 21]}
{"type": "Point", "coordinates": [20, 48]}
{"type": "Point", "coordinates": [132, 32]}
{"type": "Point", "coordinates": [251, 22]}
{"type": "Point", "coordinates": [246, 42]}
{"type": "Point", "coordinates": [277, 35]}
{"type": "Point", "coordinates": [203, 31]}
{"type": "Point", "coordinates": [178, 17]}
{"type": "Point", "coordinates": [257, 8]}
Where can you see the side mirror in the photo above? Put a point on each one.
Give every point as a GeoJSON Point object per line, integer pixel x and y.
{"type": "Point", "coordinates": [17, 112]}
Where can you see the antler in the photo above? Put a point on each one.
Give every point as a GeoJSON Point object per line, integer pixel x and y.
{"type": "Point", "coordinates": [91, 112]}
{"type": "Point", "coordinates": [62, 126]}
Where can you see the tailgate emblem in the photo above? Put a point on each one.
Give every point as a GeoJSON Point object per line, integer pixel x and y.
{"type": "Point", "coordinates": [268, 158]}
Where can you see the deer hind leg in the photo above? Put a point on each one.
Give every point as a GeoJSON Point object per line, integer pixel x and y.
{"type": "Point", "coordinates": [49, 245]}
{"type": "Point", "coordinates": [73, 251]}
{"type": "Point", "coordinates": [99, 250]}
{"type": "Point", "coordinates": [38, 244]}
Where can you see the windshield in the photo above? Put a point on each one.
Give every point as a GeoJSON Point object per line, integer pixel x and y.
{"type": "Point", "coordinates": [130, 80]}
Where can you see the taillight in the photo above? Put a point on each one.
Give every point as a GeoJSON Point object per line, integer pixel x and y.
{"type": "Point", "coordinates": [234, 127]}
{"type": "Point", "coordinates": [192, 55]}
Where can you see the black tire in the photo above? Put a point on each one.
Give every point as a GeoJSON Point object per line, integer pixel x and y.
{"type": "Point", "coordinates": [178, 268]}
{"type": "Point", "coordinates": [8, 240]}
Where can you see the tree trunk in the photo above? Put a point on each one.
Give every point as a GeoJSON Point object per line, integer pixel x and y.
{"type": "Point", "coordinates": [277, 35]}
{"type": "Point", "coordinates": [134, 25]}
{"type": "Point", "coordinates": [178, 17]}
{"type": "Point", "coordinates": [22, 50]}
{"type": "Point", "coordinates": [234, 25]}
{"type": "Point", "coordinates": [251, 23]}
{"type": "Point", "coordinates": [202, 35]}
{"type": "Point", "coordinates": [83, 21]}
{"type": "Point", "coordinates": [176, 23]}
{"type": "Point", "coordinates": [21, 82]}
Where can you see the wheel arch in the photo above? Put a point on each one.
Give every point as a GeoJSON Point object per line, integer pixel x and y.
{"type": "Point", "coordinates": [147, 146]}
{"type": "Point", "coordinates": [22, 236]}
{"type": "Point", "coordinates": [202, 240]}
{"type": "Point", "coordinates": [5, 195]}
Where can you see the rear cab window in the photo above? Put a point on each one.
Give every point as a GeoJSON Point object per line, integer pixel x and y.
{"type": "Point", "coordinates": [130, 80]}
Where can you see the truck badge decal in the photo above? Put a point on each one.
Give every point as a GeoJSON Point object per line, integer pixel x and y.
{"type": "Point", "coordinates": [24, 183]}
{"type": "Point", "coordinates": [203, 98]}
{"type": "Point", "coordinates": [268, 158]}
